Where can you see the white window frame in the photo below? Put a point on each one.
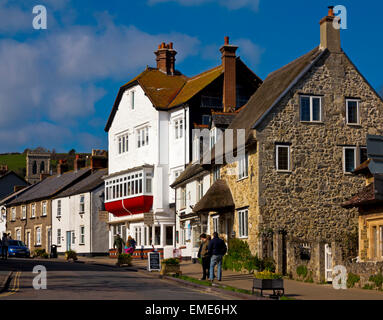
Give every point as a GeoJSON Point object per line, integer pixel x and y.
{"type": "Point", "coordinates": [357, 111]}
{"type": "Point", "coordinates": [344, 159]}
{"type": "Point", "coordinates": [44, 209]}
{"type": "Point", "coordinates": [277, 146]}
{"type": "Point", "coordinates": [216, 173]}
{"type": "Point", "coordinates": [216, 224]}
{"type": "Point", "coordinates": [243, 223]}
{"type": "Point", "coordinates": [58, 213]}
{"type": "Point", "coordinates": [123, 143]}
{"type": "Point", "coordinates": [82, 204]}
{"type": "Point", "coordinates": [18, 234]}
{"type": "Point", "coordinates": [311, 97]}
{"type": "Point", "coordinates": [199, 189]}
{"type": "Point", "coordinates": [38, 236]}
{"type": "Point", "coordinates": [183, 198]}
{"type": "Point", "coordinates": [243, 166]}
{"type": "Point", "coordinates": [213, 137]}
{"type": "Point", "coordinates": [13, 216]}
{"type": "Point", "coordinates": [142, 137]}
{"type": "Point", "coordinates": [23, 212]}
{"type": "Point", "coordinates": [33, 210]}
{"type": "Point", "coordinates": [178, 128]}
{"type": "Point", "coordinates": [82, 235]}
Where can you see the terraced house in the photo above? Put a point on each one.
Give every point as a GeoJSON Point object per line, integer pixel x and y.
{"type": "Point", "coordinates": [306, 129]}
{"type": "Point", "coordinates": [29, 215]}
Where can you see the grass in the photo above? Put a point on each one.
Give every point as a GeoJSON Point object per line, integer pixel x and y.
{"type": "Point", "coordinates": [15, 162]}
{"type": "Point", "coordinates": [194, 280]}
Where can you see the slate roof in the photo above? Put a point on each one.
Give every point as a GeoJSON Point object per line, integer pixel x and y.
{"type": "Point", "coordinates": [169, 91]}
{"type": "Point", "coordinates": [50, 186]}
{"type": "Point", "coordinates": [217, 198]}
{"type": "Point", "coordinates": [14, 195]}
{"type": "Point", "coordinates": [87, 184]}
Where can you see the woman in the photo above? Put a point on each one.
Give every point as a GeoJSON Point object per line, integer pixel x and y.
{"type": "Point", "coordinates": [130, 245]}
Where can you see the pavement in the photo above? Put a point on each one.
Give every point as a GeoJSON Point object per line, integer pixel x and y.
{"type": "Point", "coordinates": [293, 289]}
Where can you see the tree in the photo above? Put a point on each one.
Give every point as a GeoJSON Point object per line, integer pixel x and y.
{"type": "Point", "coordinates": [72, 152]}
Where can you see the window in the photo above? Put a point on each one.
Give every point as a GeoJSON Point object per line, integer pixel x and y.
{"type": "Point", "coordinates": [58, 208]}
{"type": "Point", "coordinates": [82, 235]}
{"type": "Point", "coordinates": [73, 237]}
{"type": "Point", "coordinates": [213, 137]}
{"type": "Point", "coordinates": [38, 236]}
{"type": "Point", "coordinates": [13, 216]}
{"type": "Point", "coordinates": [183, 198]}
{"type": "Point", "coordinates": [23, 212]}
{"type": "Point", "coordinates": [169, 235]}
{"type": "Point", "coordinates": [44, 209]}
{"type": "Point", "coordinates": [205, 119]}
{"type": "Point", "coordinates": [58, 237]}
{"type": "Point", "coordinates": [82, 203]}
{"type": "Point", "coordinates": [42, 167]}
{"type": "Point", "coordinates": [33, 210]}
{"type": "Point", "coordinates": [243, 223]}
{"type": "Point", "coordinates": [199, 189]}
{"type": "Point", "coordinates": [34, 167]}
{"type": "Point", "coordinates": [132, 93]}
{"type": "Point", "coordinates": [311, 108]}
{"type": "Point", "coordinates": [18, 234]}
{"type": "Point", "coordinates": [148, 184]}
{"type": "Point", "coordinates": [363, 154]}
{"type": "Point", "coordinates": [157, 235]}
{"type": "Point", "coordinates": [216, 173]}
{"type": "Point", "coordinates": [352, 111]}
{"type": "Point", "coordinates": [177, 174]}
{"type": "Point", "coordinates": [349, 159]}
{"type": "Point", "coordinates": [123, 144]}
{"type": "Point", "coordinates": [142, 137]}
{"type": "Point", "coordinates": [178, 129]}
{"type": "Point", "coordinates": [283, 158]}
{"type": "Point", "coordinates": [243, 166]}
{"type": "Point", "coordinates": [216, 224]}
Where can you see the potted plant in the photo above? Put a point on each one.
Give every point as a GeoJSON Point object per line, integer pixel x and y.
{"type": "Point", "coordinates": [267, 280]}
{"type": "Point", "coordinates": [170, 266]}
{"type": "Point", "coordinates": [124, 259]}
{"type": "Point", "coordinates": [70, 254]}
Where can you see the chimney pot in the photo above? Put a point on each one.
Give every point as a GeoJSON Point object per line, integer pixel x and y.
{"type": "Point", "coordinates": [226, 40]}
{"type": "Point", "coordinates": [331, 11]}
{"type": "Point", "coordinates": [165, 57]}
{"type": "Point", "coordinates": [171, 45]}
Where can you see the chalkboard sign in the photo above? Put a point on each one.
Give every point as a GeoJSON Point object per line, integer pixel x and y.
{"type": "Point", "coordinates": [154, 261]}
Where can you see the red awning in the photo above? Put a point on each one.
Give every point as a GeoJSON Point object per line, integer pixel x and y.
{"type": "Point", "coordinates": [130, 206]}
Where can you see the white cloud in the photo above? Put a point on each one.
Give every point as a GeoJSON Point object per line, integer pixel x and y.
{"type": "Point", "coordinates": [250, 51]}
{"type": "Point", "coordinates": [51, 82]}
{"type": "Point", "coordinates": [230, 4]}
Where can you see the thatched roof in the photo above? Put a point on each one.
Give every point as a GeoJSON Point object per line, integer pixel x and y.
{"type": "Point", "coordinates": [217, 198]}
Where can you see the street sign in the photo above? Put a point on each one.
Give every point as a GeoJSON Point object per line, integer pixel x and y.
{"type": "Point", "coordinates": [148, 218]}
{"type": "Point", "coordinates": [154, 261]}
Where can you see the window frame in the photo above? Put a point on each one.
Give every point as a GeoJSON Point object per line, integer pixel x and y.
{"type": "Point", "coordinates": [216, 224]}
{"type": "Point", "coordinates": [82, 235]}
{"type": "Point", "coordinates": [178, 125]}
{"type": "Point", "coordinates": [200, 189]}
{"type": "Point", "coordinates": [33, 210]}
{"type": "Point", "coordinates": [82, 204]}
{"type": "Point", "coordinates": [132, 100]}
{"type": "Point", "coordinates": [357, 112]}
{"type": "Point", "coordinates": [58, 237]}
{"type": "Point", "coordinates": [38, 236]}
{"type": "Point", "coordinates": [243, 223]}
{"type": "Point", "coordinates": [44, 208]}
{"type": "Point", "coordinates": [142, 137]}
{"type": "Point", "coordinates": [13, 214]}
{"type": "Point", "coordinates": [311, 97]}
{"type": "Point", "coordinates": [58, 211]}
{"type": "Point", "coordinates": [243, 167]}
{"type": "Point", "coordinates": [344, 159]}
{"type": "Point", "coordinates": [24, 212]}
{"type": "Point", "coordinates": [277, 146]}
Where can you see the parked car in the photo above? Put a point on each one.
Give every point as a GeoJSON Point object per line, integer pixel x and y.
{"type": "Point", "coordinates": [17, 248]}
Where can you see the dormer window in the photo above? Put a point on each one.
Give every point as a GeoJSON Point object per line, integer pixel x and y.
{"type": "Point", "coordinates": [311, 108]}
{"type": "Point", "coordinates": [352, 111]}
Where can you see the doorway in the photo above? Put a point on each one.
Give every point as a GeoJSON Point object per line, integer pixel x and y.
{"type": "Point", "coordinates": [68, 240]}
{"type": "Point", "coordinates": [28, 240]}
{"type": "Point", "coordinates": [328, 262]}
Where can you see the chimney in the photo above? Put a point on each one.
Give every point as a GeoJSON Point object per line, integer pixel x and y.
{"type": "Point", "coordinates": [229, 82]}
{"type": "Point", "coordinates": [62, 166]}
{"type": "Point", "coordinates": [330, 36]}
{"type": "Point", "coordinates": [99, 159]}
{"type": "Point", "coordinates": [3, 169]}
{"type": "Point", "coordinates": [79, 163]}
{"type": "Point", "coordinates": [166, 58]}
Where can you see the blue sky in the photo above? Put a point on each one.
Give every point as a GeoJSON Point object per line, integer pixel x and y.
{"type": "Point", "coordinates": [57, 86]}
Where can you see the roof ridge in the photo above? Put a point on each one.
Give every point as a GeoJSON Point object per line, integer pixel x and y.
{"type": "Point", "coordinates": [204, 73]}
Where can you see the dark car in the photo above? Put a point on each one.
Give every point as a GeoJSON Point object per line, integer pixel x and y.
{"type": "Point", "coordinates": [17, 248]}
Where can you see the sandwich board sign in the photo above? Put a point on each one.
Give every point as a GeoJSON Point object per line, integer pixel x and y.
{"type": "Point", "coordinates": [154, 261]}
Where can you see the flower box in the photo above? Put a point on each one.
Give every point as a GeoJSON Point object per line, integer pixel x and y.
{"type": "Point", "coordinates": [170, 269]}
{"type": "Point", "coordinates": [269, 284]}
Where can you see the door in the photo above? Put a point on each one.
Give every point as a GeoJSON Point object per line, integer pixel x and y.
{"type": "Point", "coordinates": [68, 240]}
{"type": "Point", "coordinates": [328, 262]}
{"type": "Point", "coordinates": [28, 240]}
{"type": "Point", "coordinates": [49, 239]}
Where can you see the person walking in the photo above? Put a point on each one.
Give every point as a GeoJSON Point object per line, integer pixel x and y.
{"type": "Point", "coordinates": [217, 249]}
{"type": "Point", "coordinates": [118, 243]}
{"type": "Point", "coordinates": [203, 253]}
{"type": "Point", "coordinates": [4, 247]}
{"type": "Point", "coordinates": [130, 245]}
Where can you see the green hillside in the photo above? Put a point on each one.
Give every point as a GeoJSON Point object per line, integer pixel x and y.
{"type": "Point", "coordinates": [15, 162]}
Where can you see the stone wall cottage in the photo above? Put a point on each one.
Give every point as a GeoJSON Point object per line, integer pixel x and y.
{"type": "Point", "coordinates": [29, 215]}
{"type": "Point", "coordinates": [150, 140]}
{"type": "Point", "coordinates": [306, 130]}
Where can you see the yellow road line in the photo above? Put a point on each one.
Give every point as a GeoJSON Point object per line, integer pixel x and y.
{"type": "Point", "coordinates": [15, 288]}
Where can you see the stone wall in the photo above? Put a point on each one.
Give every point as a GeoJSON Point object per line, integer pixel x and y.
{"type": "Point", "coordinates": [306, 202]}
{"type": "Point", "coordinates": [364, 270]}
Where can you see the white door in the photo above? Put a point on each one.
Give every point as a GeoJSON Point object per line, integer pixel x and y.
{"type": "Point", "coordinates": [328, 263]}
{"type": "Point", "coordinates": [28, 240]}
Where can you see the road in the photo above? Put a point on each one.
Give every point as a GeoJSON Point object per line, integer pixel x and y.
{"type": "Point", "coordinates": [73, 281]}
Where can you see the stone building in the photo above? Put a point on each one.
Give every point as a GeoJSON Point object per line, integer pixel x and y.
{"type": "Point", "coordinates": [38, 163]}
{"type": "Point", "coordinates": [305, 132]}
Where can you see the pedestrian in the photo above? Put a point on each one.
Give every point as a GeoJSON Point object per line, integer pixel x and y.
{"type": "Point", "coordinates": [217, 249]}
{"type": "Point", "coordinates": [118, 243]}
{"type": "Point", "coordinates": [208, 237]}
{"type": "Point", "coordinates": [130, 245]}
{"type": "Point", "coordinates": [203, 253]}
{"type": "Point", "coordinates": [4, 247]}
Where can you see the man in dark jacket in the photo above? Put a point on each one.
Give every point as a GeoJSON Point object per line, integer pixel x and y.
{"type": "Point", "coordinates": [203, 253]}
{"type": "Point", "coordinates": [217, 249]}
{"type": "Point", "coordinates": [119, 244]}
